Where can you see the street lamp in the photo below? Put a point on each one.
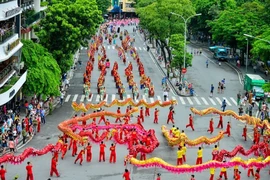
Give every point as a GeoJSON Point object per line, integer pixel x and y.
{"type": "Point", "coordinates": [185, 34]}
{"type": "Point", "coordinates": [250, 36]}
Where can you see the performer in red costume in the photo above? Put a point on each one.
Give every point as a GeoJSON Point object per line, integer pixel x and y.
{"type": "Point", "coordinates": [113, 153]}
{"type": "Point", "coordinates": [3, 172]}
{"type": "Point", "coordinates": [126, 175]}
{"type": "Point", "coordinates": [102, 151]}
{"type": "Point", "coordinates": [88, 153]}
{"type": "Point", "coordinates": [74, 148]}
{"type": "Point", "coordinates": [170, 117]}
{"type": "Point", "coordinates": [54, 167]}
{"type": "Point", "coordinates": [190, 122]}
{"type": "Point", "coordinates": [156, 116]}
{"type": "Point", "coordinates": [245, 133]}
{"type": "Point", "coordinates": [147, 112]}
{"type": "Point", "coordinates": [228, 129]}
{"type": "Point", "coordinates": [64, 149]}
{"type": "Point", "coordinates": [220, 122]}
{"type": "Point", "coordinates": [118, 112]}
{"type": "Point", "coordinates": [211, 126]}
{"type": "Point", "coordinates": [141, 114]}
{"type": "Point", "coordinates": [80, 157]}
{"type": "Point", "coordinates": [29, 169]}
{"type": "Point", "coordinates": [102, 118]}
{"type": "Point", "coordinates": [139, 121]}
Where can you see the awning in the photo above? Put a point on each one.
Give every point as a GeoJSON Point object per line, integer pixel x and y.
{"type": "Point", "coordinates": [116, 9]}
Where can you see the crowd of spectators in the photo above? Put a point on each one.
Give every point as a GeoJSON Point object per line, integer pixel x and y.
{"type": "Point", "coordinates": [20, 124]}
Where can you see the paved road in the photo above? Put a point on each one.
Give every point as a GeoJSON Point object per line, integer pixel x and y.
{"type": "Point", "coordinates": [106, 171]}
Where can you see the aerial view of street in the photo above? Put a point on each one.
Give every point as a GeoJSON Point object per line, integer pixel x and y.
{"type": "Point", "coordinates": [134, 90]}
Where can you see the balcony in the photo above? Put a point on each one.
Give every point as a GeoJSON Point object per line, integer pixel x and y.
{"type": "Point", "coordinates": [32, 19]}
{"type": "Point", "coordinates": [9, 9]}
{"type": "Point", "coordinates": [6, 34]}
{"type": "Point", "coordinates": [6, 74]}
{"type": "Point", "coordinates": [11, 88]}
{"type": "Point", "coordinates": [9, 47]}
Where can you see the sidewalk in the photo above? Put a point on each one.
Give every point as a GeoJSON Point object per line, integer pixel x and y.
{"type": "Point", "coordinates": [172, 79]}
{"type": "Point", "coordinates": [47, 108]}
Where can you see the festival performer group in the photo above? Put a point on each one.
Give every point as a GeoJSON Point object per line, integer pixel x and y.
{"type": "Point", "coordinates": [108, 130]}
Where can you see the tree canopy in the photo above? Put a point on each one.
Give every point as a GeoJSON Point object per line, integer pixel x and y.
{"type": "Point", "coordinates": [103, 5]}
{"type": "Point", "coordinates": [44, 74]}
{"type": "Point", "coordinates": [67, 25]}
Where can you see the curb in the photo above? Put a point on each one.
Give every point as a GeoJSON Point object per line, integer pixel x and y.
{"type": "Point", "coordinates": [172, 86]}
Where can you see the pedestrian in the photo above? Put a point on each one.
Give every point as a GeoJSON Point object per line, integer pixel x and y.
{"type": "Point", "coordinates": [141, 114]}
{"type": "Point", "coordinates": [199, 156]}
{"type": "Point", "coordinates": [88, 152]}
{"type": "Point", "coordinates": [165, 95]}
{"type": "Point", "coordinates": [54, 167]}
{"type": "Point", "coordinates": [190, 124]}
{"type": "Point", "coordinates": [212, 173]}
{"type": "Point", "coordinates": [207, 62]}
{"type": "Point", "coordinates": [156, 116]}
{"type": "Point", "coordinates": [11, 145]}
{"type": "Point", "coordinates": [74, 148]}
{"type": "Point", "coordinates": [29, 169]}
{"type": "Point", "coordinates": [211, 126]}
{"type": "Point", "coordinates": [102, 147]}
{"type": "Point", "coordinates": [62, 98]}
{"type": "Point", "coordinates": [220, 122]}
{"type": "Point", "coordinates": [223, 172]}
{"type": "Point", "coordinates": [179, 156]}
{"type": "Point", "coordinates": [158, 176]}
{"type": "Point", "coordinates": [245, 133]}
{"type": "Point", "coordinates": [228, 129]}
{"type": "Point", "coordinates": [238, 98]}
{"type": "Point", "coordinates": [24, 135]}
{"type": "Point", "coordinates": [113, 153]}
{"type": "Point", "coordinates": [126, 175]}
{"type": "Point", "coordinates": [3, 172]}
{"type": "Point", "coordinates": [42, 115]}
{"type": "Point", "coordinates": [223, 105]}
{"type": "Point", "coordinates": [212, 90]}
{"type": "Point", "coordinates": [215, 152]}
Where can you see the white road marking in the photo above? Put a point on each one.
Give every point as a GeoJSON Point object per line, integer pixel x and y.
{"type": "Point", "coordinates": [128, 95]}
{"type": "Point", "coordinates": [98, 98]}
{"type": "Point", "coordinates": [90, 99]}
{"type": "Point", "coordinates": [144, 48]}
{"type": "Point", "coordinates": [204, 100]}
{"type": "Point", "coordinates": [227, 101]}
{"type": "Point", "coordinates": [219, 101]}
{"type": "Point", "coordinates": [75, 97]}
{"type": "Point", "coordinates": [67, 98]}
{"type": "Point", "coordinates": [109, 47]}
{"type": "Point", "coordinates": [182, 100]}
{"type": "Point", "coordinates": [106, 98]}
{"type": "Point", "coordinates": [159, 98]}
{"type": "Point", "coordinates": [233, 101]}
{"type": "Point", "coordinates": [143, 97]}
{"type": "Point", "coordinates": [82, 98]}
{"type": "Point", "coordinates": [140, 48]}
{"type": "Point", "coordinates": [135, 48]}
{"type": "Point", "coordinates": [189, 101]}
{"type": "Point", "coordinates": [197, 100]}
{"type": "Point", "coordinates": [113, 47]}
{"type": "Point", "coordinates": [113, 97]}
{"type": "Point", "coordinates": [174, 99]}
{"type": "Point", "coordinates": [152, 100]}
{"type": "Point", "coordinates": [212, 101]}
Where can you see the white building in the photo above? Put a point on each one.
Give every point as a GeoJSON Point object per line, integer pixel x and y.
{"type": "Point", "coordinates": [32, 12]}
{"type": "Point", "coordinates": [11, 76]}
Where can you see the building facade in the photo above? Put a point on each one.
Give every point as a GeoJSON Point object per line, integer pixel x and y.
{"type": "Point", "coordinates": [32, 12]}
{"type": "Point", "coordinates": [11, 76]}
{"type": "Point", "coordinates": [123, 8]}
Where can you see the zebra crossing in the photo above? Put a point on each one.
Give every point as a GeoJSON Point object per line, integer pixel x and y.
{"type": "Point", "coordinates": [113, 47]}
{"type": "Point", "coordinates": [188, 101]}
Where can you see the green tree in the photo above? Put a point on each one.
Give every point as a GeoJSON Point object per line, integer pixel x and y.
{"type": "Point", "coordinates": [103, 5]}
{"type": "Point", "coordinates": [261, 48]}
{"type": "Point", "coordinates": [177, 45]}
{"type": "Point", "coordinates": [232, 24]}
{"type": "Point", "coordinates": [67, 25]}
{"type": "Point", "coordinates": [44, 74]}
{"type": "Point", "coordinates": [156, 17]}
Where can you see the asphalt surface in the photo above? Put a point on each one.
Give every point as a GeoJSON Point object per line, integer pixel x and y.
{"type": "Point", "coordinates": [201, 79]}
